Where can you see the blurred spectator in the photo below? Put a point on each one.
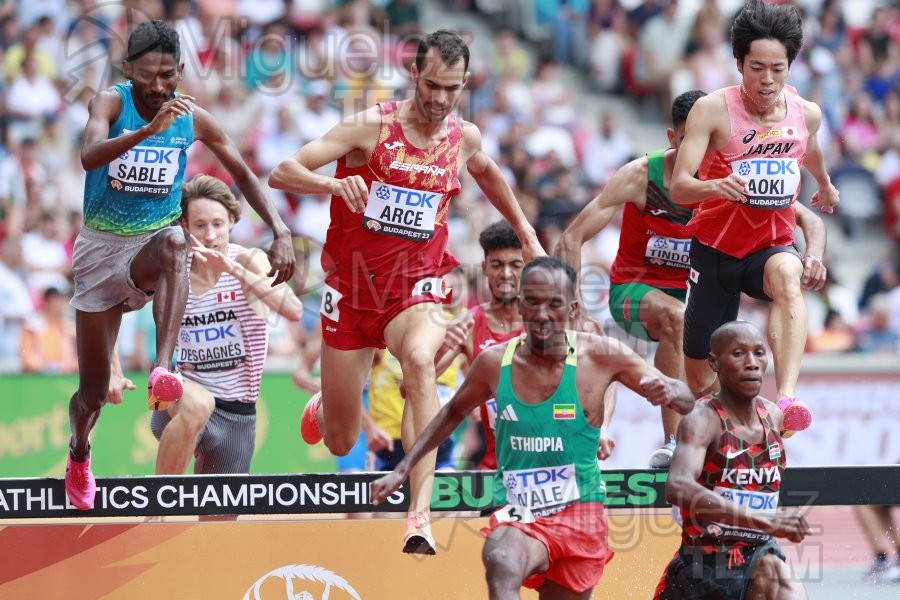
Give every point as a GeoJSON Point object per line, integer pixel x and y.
{"type": "Point", "coordinates": [833, 297]}
{"type": "Point", "coordinates": [15, 307]}
{"type": "Point", "coordinates": [660, 48]}
{"type": "Point", "coordinates": [32, 96]}
{"type": "Point", "coordinates": [276, 145]}
{"type": "Point", "coordinates": [508, 59]}
{"type": "Point", "coordinates": [874, 332]}
{"type": "Point", "coordinates": [44, 258]}
{"type": "Point", "coordinates": [318, 116]}
{"type": "Point", "coordinates": [608, 35]}
{"type": "Point", "coordinates": [402, 18]}
{"type": "Point", "coordinates": [883, 278]}
{"type": "Point", "coordinates": [271, 56]}
{"type": "Point", "coordinates": [606, 150]}
{"type": "Point", "coordinates": [48, 339]}
{"type": "Point", "coordinates": [16, 55]}
{"type": "Point", "coordinates": [835, 336]}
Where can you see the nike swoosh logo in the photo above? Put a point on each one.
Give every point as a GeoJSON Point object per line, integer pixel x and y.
{"type": "Point", "coordinates": [729, 455]}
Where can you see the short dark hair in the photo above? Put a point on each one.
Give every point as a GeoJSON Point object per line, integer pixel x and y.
{"type": "Point", "coordinates": [761, 21]}
{"type": "Point", "coordinates": [448, 45]}
{"type": "Point", "coordinates": [498, 236]}
{"type": "Point", "coordinates": [552, 263]}
{"type": "Point", "coordinates": [153, 36]}
{"type": "Point", "coordinates": [683, 104]}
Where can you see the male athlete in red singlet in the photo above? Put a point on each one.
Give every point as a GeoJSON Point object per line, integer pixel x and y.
{"type": "Point", "coordinates": [497, 320]}
{"type": "Point", "coordinates": [648, 279]}
{"type": "Point", "coordinates": [747, 143]}
{"type": "Point", "coordinates": [725, 477]}
{"type": "Point", "coordinates": [385, 251]}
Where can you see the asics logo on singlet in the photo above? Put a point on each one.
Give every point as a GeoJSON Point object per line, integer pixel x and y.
{"type": "Point", "coordinates": [394, 145]}
{"type": "Point", "coordinates": [750, 476]}
{"type": "Point", "coordinates": [508, 414]}
{"type": "Point", "coordinates": [417, 168]}
{"type": "Point", "coordinates": [749, 137]}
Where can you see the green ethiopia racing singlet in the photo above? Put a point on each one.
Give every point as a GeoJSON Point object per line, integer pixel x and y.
{"type": "Point", "coordinates": [546, 452]}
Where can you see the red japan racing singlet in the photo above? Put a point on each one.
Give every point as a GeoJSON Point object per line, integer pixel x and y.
{"type": "Point", "coordinates": [483, 337]}
{"type": "Point", "coordinates": [404, 229]}
{"type": "Point", "coordinates": [654, 244]}
{"type": "Point", "coordinates": [746, 474]}
{"type": "Point", "coordinates": [770, 159]}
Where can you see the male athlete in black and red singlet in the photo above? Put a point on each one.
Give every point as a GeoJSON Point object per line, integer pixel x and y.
{"type": "Point", "coordinates": [725, 477]}
{"type": "Point", "coordinates": [385, 251]}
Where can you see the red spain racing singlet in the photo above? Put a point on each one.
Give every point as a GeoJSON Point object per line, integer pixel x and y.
{"type": "Point", "coordinates": [404, 229]}
{"type": "Point", "coordinates": [770, 159]}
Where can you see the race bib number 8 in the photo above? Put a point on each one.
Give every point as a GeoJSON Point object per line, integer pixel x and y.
{"type": "Point", "coordinates": [772, 183]}
{"type": "Point", "coordinates": [401, 212]}
{"type": "Point", "coordinates": [330, 308]}
{"type": "Point", "coordinates": [431, 285]}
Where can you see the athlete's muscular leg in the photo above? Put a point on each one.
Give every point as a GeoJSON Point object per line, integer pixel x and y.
{"type": "Point", "coordinates": [179, 438]}
{"type": "Point", "coordinates": [787, 319]}
{"type": "Point", "coordinates": [340, 413]}
{"type": "Point", "coordinates": [510, 556]}
{"type": "Point", "coordinates": [95, 335]}
{"type": "Point", "coordinates": [771, 579]}
{"type": "Point", "coordinates": [699, 377]}
{"type": "Point", "coordinates": [414, 337]}
{"type": "Point", "coordinates": [161, 267]}
{"type": "Point", "coordinates": [663, 318]}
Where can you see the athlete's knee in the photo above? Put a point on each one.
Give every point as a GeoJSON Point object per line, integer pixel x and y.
{"type": "Point", "coordinates": [418, 364]}
{"type": "Point", "coordinates": [671, 322]}
{"type": "Point", "coordinates": [501, 567]}
{"type": "Point", "coordinates": [173, 246]}
{"type": "Point", "coordinates": [771, 578]}
{"type": "Point", "coordinates": [784, 280]}
{"type": "Point", "coordinates": [339, 443]}
{"type": "Point", "coordinates": [194, 410]}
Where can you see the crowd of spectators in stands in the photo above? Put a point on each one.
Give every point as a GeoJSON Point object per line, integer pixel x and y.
{"type": "Point", "coordinates": [277, 73]}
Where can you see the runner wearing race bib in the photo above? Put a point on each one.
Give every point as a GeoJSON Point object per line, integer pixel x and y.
{"type": "Point", "coordinates": [385, 252]}
{"type": "Point", "coordinates": [222, 341]}
{"type": "Point", "coordinates": [549, 531]}
{"type": "Point", "coordinates": [131, 249]}
{"type": "Point", "coordinates": [725, 478]}
{"type": "Point", "coordinates": [739, 164]}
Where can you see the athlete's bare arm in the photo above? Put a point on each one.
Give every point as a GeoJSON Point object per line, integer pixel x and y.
{"type": "Point", "coordinates": [620, 363]}
{"type": "Point", "coordinates": [826, 197]}
{"type": "Point", "coordinates": [250, 269]}
{"type": "Point", "coordinates": [489, 178]}
{"type": "Point", "coordinates": [355, 138]}
{"type": "Point", "coordinates": [478, 387]}
{"type": "Point", "coordinates": [96, 147]}
{"type": "Point", "coordinates": [815, 234]}
{"type": "Point", "coordinates": [458, 340]}
{"type": "Point", "coordinates": [697, 431]}
{"type": "Point", "coordinates": [707, 127]}
{"type": "Point", "coordinates": [628, 184]}
{"type": "Point", "coordinates": [281, 254]}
